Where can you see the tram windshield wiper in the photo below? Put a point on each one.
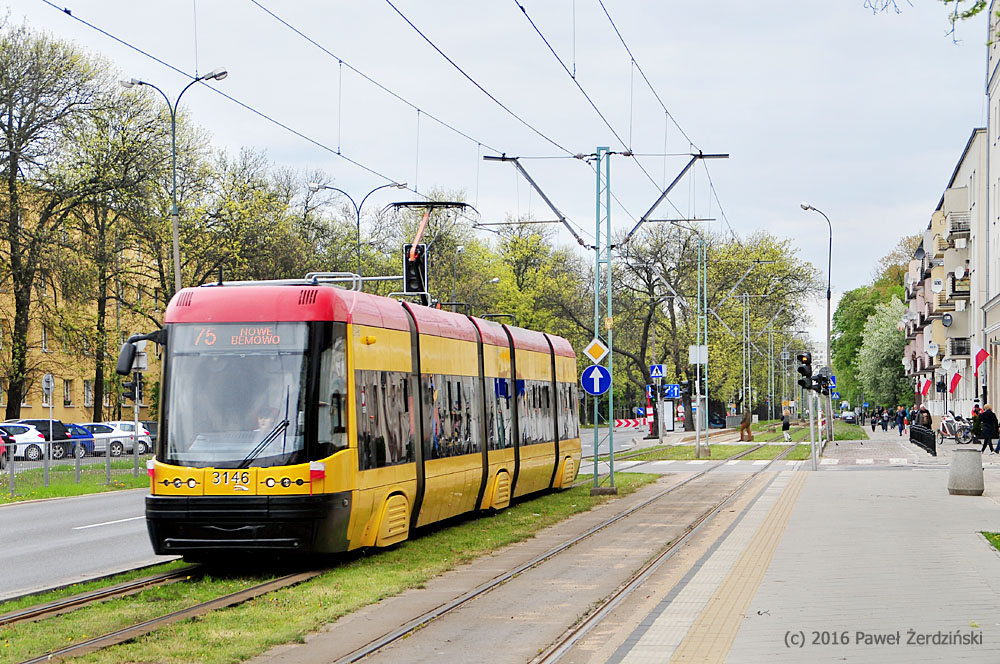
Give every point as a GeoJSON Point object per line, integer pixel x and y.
{"type": "Point", "coordinates": [255, 452]}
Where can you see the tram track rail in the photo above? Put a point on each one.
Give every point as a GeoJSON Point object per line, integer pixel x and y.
{"type": "Point", "coordinates": [638, 453]}
{"type": "Point", "coordinates": [135, 631]}
{"type": "Point", "coordinates": [598, 611]}
{"type": "Point", "coordinates": [74, 602]}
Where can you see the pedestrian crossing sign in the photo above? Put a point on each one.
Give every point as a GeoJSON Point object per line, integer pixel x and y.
{"type": "Point", "coordinates": [656, 371]}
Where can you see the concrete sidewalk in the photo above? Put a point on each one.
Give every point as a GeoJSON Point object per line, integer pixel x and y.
{"type": "Point", "coordinates": [876, 565]}
{"type": "Point", "coordinates": [879, 553]}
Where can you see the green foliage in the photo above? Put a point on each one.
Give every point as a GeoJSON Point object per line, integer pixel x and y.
{"type": "Point", "coordinates": [879, 370]}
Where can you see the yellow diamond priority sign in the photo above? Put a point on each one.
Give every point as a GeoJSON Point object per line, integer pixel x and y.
{"type": "Point", "coordinates": [596, 351]}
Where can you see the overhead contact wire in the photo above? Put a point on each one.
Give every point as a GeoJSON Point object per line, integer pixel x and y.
{"type": "Point", "coordinates": [370, 79]}
{"type": "Point", "coordinates": [476, 83]}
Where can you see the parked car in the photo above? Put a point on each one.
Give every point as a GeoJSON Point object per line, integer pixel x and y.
{"type": "Point", "coordinates": [849, 417]}
{"type": "Point", "coordinates": [716, 421]}
{"type": "Point", "coordinates": [153, 427]}
{"type": "Point", "coordinates": [61, 445]}
{"type": "Point", "coordinates": [29, 443]}
{"type": "Point", "coordinates": [116, 437]}
{"type": "Point", "coordinates": [83, 440]}
{"type": "Point", "coordinates": [6, 448]}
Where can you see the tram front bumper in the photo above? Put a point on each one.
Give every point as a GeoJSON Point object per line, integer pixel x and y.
{"type": "Point", "coordinates": [308, 524]}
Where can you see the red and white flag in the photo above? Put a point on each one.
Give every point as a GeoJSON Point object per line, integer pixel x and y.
{"type": "Point", "coordinates": [954, 382]}
{"type": "Point", "coordinates": [926, 388]}
{"type": "Point", "coordinates": [979, 356]}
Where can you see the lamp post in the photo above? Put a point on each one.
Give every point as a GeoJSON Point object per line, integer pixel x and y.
{"type": "Point", "coordinates": [459, 249]}
{"type": "Point", "coordinates": [829, 355]}
{"type": "Point", "coordinates": [315, 186]}
{"type": "Point", "coordinates": [214, 75]}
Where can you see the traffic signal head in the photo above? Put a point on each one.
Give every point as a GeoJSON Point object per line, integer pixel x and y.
{"type": "Point", "coordinates": [805, 357]}
{"type": "Point", "coordinates": [130, 388]}
{"type": "Point", "coordinates": [805, 368]}
{"type": "Point", "coordinates": [685, 387]}
{"type": "Point", "coordinates": [415, 270]}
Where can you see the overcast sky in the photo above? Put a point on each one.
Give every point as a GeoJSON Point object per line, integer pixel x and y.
{"type": "Point", "coordinates": [863, 116]}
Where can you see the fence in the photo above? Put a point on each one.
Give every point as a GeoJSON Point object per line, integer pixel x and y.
{"type": "Point", "coordinates": [34, 466]}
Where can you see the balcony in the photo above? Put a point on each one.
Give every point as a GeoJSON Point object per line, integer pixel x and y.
{"type": "Point", "coordinates": [942, 303]}
{"type": "Point", "coordinates": [941, 245]}
{"type": "Point", "coordinates": [959, 224]}
{"type": "Point", "coordinates": [959, 347]}
{"type": "Point", "coordinates": [959, 288]}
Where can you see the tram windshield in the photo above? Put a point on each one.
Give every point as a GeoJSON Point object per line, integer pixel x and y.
{"type": "Point", "coordinates": [235, 394]}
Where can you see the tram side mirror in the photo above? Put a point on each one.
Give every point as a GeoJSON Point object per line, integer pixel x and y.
{"type": "Point", "coordinates": [126, 357]}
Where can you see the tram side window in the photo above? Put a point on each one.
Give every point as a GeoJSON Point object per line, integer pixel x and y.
{"type": "Point", "coordinates": [472, 415]}
{"type": "Point", "coordinates": [492, 442]}
{"type": "Point", "coordinates": [504, 421]}
{"type": "Point", "coordinates": [332, 420]}
{"type": "Point", "coordinates": [574, 412]}
{"type": "Point", "coordinates": [440, 392]}
{"type": "Point", "coordinates": [548, 429]}
{"type": "Point", "coordinates": [384, 433]}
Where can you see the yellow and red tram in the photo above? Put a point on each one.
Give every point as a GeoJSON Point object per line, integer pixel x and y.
{"type": "Point", "coordinates": [299, 416]}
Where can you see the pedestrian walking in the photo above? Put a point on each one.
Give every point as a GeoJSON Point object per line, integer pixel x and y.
{"type": "Point", "coordinates": [885, 420]}
{"type": "Point", "coordinates": [785, 426]}
{"type": "Point", "coordinates": [924, 418]}
{"type": "Point", "coordinates": [900, 419]}
{"type": "Point", "coordinates": [874, 420]}
{"type": "Point", "coordinates": [745, 426]}
{"type": "Point", "coordinates": [988, 420]}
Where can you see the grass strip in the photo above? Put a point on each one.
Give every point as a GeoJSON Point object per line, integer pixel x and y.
{"type": "Point", "coordinates": [80, 588]}
{"type": "Point", "coordinates": [800, 453]}
{"type": "Point", "coordinates": [241, 632]}
{"type": "Point", "coordinates": [62, 481]}
{"type": "Point", "coordinates": [687, 452]}
{"type": "Point", "coordinates": [992, 538]}
{"type": "Point", "coordinates": [767, 452]}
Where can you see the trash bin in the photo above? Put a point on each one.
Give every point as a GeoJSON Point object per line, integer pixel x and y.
{"type": "Point", "coordinates": [966, 475]}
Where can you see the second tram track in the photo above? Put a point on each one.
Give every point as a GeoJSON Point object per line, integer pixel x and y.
{"type": "Point", "coordinates": [429, 616]}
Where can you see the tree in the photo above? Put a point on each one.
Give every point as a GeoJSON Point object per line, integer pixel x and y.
{"type": "Point", "coordinates": [46, 88]}
{"type": "Point", "coordinates": [880, 372]}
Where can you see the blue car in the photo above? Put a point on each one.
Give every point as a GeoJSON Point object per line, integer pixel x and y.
{"type": "Point", "coordinates": [83, 440]}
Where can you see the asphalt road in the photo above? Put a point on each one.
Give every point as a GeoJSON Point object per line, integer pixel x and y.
{"type": "Point", "coordinates": [54, 542]}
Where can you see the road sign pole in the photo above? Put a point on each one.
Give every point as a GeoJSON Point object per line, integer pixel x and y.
{"type": "Point", "coordinates": [812, 433]}
{"type": "Point", "coordinates": [659, 412]}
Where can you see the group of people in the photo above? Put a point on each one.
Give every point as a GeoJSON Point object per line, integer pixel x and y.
{"type": "Point", "coordinates": [899, 417]}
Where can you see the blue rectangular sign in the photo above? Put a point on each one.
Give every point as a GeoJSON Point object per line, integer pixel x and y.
{"type": "Point", "coordinates": [672, 391]}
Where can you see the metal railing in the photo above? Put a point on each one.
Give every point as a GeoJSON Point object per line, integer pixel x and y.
{"type": "Point", "coordinates": [959, 347]}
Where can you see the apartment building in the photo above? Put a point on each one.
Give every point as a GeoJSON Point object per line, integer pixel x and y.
{"type": "Point", "coordinates": [947, 287]}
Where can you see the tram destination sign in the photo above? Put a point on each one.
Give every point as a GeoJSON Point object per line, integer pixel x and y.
{"type": "Point", "coordinates": [239, 337]}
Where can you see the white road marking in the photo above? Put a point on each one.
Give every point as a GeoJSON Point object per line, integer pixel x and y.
{"type": "Point", "coordinates": [793, 463]}
{"type": "Point", "coordinates": [829, 462]}
{"type": "Point", "coordinates": [761, 462]}
{"type": "Point", "coordinates": [898, 461]}
{"type": "Point", "coordinates": [864, 462]}
{"type": "Point", "coordinates": [732, 462]}
{"type": "Point", "coordinates": [697, 462]}
{"type": "Point", "coordinates": [108, 523]}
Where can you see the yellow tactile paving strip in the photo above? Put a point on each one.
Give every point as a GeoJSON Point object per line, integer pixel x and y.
{"type": "Point", "coordinates": [712, 635]}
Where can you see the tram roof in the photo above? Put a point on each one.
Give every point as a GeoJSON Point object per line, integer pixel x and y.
{"type": "Point", "coordinates": [262, 302]}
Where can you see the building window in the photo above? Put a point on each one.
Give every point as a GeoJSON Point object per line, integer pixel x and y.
{"type": "Point", "coordinates": [46, 398]}
{"type": "Point", "coordinates": [88, 393]}
{"type": "Point", "coordinates": [24, 396]}
{"type": "Point", "coordinates": [67, 392]}
{"type": "Point", "coordinates": [3, 393]}
{"type": "Point", "coordinates": [45, 339]}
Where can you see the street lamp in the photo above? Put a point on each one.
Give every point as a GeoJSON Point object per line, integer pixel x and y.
{"type": "Point", "coordinates": [829, 355]}
{"type": "Point", "coordinates": [459, 249]}
{"type": "Point", "coordinates": [316, 186]}
{"type": "Point", "coordinates": [214, 75]}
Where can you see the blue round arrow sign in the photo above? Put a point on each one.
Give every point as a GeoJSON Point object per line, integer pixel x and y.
{"type": "Point", "coordinates": [595, 380]}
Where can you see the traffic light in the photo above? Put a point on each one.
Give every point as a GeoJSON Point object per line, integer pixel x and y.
{"type": "Point", "coordinates": [415, 271]}
{"type": "Point", "coordinates": [685, 387]}
{"type": "Point", "coordinates": [130, 389]}
{"type": "Point", "coordinates": [805, 368]}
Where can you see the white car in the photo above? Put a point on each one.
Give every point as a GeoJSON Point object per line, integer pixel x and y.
{"type": "Point", "coordinates": [117, 437]}
{"type": "Point", "coordinates": [29, 442]}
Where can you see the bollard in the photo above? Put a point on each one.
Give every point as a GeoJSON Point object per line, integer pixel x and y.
{"type": "Point", "coordinates": [966, 475]}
